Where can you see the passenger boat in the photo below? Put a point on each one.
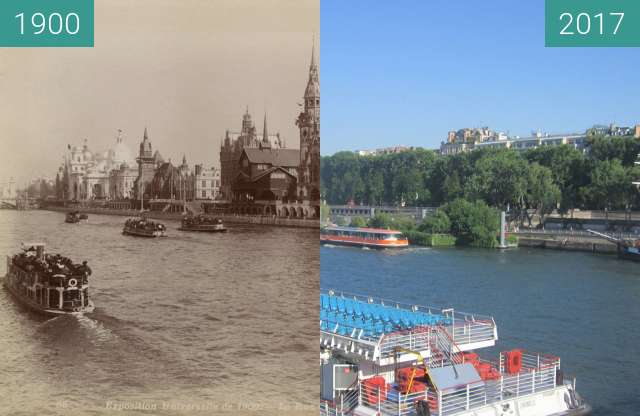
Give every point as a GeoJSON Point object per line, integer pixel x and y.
{"type": "Point", "coordinates": [379, 357]}
{"type": "Point", "coordinates": [143, 227]}
{"type": "Point", "coordinates": [48, 284]}
{"type": "Point", "coordinates": [203, 223]}
{"type": "Point", "coordinates": [363, 237]}
{"type": "Point", "coordinates": [75, 217]}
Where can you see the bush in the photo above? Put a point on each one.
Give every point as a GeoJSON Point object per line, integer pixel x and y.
{"type": "Point", "coordinates": [430, 240]}
{"type": "Point", "coordinates": [473, 223]}
{"type": "Point", "coordinates": [438, 223]}
{"type": "Point", "coordinates": [358, 222]}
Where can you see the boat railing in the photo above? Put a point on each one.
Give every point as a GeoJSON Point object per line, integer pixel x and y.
{"type": "Point", "coordinates": [431, 310]}
{"type": "Point", "coordinates": [386, 401]}
{"type": "Point", "coordinates": [538, 374]}
{"type": "Point", "coordinates": [532, 378]}
{"type": "Point", "coordinates": [472, 331]}
{"type": "Point", "coordinates": [417, 339]}
{"type": "Point", "coordinates": [346, 401]}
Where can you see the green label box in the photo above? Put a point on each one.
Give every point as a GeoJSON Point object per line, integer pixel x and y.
{"type": "Point", "coordinates": [577, 23]}
{"type": "Point", "coordinates": [46, 23]}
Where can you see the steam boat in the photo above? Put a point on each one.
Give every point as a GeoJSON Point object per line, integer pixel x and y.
{"type": "Point", "coordinates": [48, 284]}
{"type": "Point", "coordinates": [142, 227]}
{"type": "Point", "coordinates": [363, 237]}
{"type": "Point", "coordinates": [203, 223]}
{"type": "Point", "coordinates": [383, 358]}
{"type": "Point", "coordinates": [75, 217]}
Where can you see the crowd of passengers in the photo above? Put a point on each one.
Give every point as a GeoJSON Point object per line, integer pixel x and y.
{"type": "Point", "coordinates": [143, 224]}
{"type": "Point", "coordinates": [51, 265]}
{"type": "Point", "coordinates": [201, 219]}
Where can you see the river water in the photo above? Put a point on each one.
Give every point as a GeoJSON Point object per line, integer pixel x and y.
{"type": "Point", "coordinates": [582, 307]}
{"type": "Point", "coordinates": [194, 323]}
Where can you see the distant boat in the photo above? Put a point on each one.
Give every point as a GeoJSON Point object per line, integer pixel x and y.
{"type": "Point", "coordinates": [203, 223]}
{"type": "Point", "coordinates": [75, 217]}
{"type": "Point", "coordinates": [363, 237]}
{"type": "Point", "coordinates": [142, 227]}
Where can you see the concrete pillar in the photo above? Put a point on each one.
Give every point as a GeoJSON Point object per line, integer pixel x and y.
{"type": "Point", "coordinates": [503, 225]}
{"type": "Point", "coordinates": [60, 291]}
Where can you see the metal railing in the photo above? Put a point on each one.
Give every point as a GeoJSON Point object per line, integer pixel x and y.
{"type": "Point", "coordinates": [538, 373]}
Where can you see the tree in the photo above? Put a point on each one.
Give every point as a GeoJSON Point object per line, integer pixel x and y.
{"type": "Point", "coordinates": [438, 223]}
{"type": "Point", "coordinates": [325, 212]}
{"type": "Point", "coordinates": [473, 223]}
{"type": "Point", "coordinates": [358, 222]}
{"type": "Point", "coordinates": [542, 194]}
{"type": "Point", "coordinates": [610, 185]}
{"type": "Point", "coordinates": [380, 220]}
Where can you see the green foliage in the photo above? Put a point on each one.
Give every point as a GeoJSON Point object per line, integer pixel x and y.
{"type": "Point", "coordinates": [358, 222]}
{"type": "Point", "coordinates": [473, 223]}
{"type": "Point", "coordinates": [436, 223]}
{"type": "Point", "coordinates": [324, 212]}
{"type": "Point", "coordinates": [341, 221]}
{"type": "Point", "coordinates": [537, 180]}
{"type": "Point", "coordinates": [430, 240]}
{"type": "Point", "coordinates": [380, 220]}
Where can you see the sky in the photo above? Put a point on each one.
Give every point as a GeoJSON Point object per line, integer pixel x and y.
{"type": "Point", "coordinates": [406, 73]}
{"type": "Point", "coordinates": [185, 69]}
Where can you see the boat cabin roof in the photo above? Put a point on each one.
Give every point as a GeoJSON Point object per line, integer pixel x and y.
{"type": "Point", "coordinates": [28, 246]}
{"type": "Point", "coordinates": [364, 230]}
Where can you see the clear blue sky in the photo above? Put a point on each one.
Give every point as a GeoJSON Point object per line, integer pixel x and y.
{"type": "Point", "coordinates": [407, 72]}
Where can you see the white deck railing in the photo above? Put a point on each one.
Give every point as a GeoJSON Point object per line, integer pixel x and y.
{"type": "Point", "coordinates": [533, 378]}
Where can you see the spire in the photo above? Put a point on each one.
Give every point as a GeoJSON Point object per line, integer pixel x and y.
{"type": "Point", "coordinates": [119, 138]}
{"type": "Point", "coordinates": [146, 136]}
{"type": "Point", "coordinates": [313, 53]}
{"type": "Point", "coordinates": [265, 133]}
{"type": "Point", "coordinates": [313, 85]}
{"type": "Point", "coordinates": [184, 159]}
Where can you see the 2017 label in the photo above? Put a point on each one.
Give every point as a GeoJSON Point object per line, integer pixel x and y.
{"type": "Point", "coordinates": [592, 23]}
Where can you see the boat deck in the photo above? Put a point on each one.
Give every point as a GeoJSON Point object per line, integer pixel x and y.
{"type": "Point", "coordinates": [376, 329]}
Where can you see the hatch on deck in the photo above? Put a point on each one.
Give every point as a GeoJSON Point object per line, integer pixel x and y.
{"type": "Point", "coordinates": [445, 378]}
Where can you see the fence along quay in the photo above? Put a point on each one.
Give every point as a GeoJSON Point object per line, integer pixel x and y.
{"type": "Point", "coordinates": [380, 357]}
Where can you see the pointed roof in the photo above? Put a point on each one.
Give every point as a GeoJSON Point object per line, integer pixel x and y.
{"type": "Point", "coordinates": [146, 136]}
{"type": "Point", "coordinates": [313, 53]}
{"type": "Point", "coordinates": [313, 85]}
{"type": "Point", "coordinates": [265, 133]}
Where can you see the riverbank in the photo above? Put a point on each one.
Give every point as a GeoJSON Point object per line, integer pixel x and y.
{"type": "Point", "coordinates": [568, 242]}
{"type": "Point", "coordinates": [230, 219]}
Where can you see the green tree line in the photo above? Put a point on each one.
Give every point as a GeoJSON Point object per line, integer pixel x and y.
{"type": "Point", "coordinates": [534, 182]}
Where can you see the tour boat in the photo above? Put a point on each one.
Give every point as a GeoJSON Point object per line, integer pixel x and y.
{"type": "Point", "coordinates": [381, 358]}
{"type": "Point", "coordinates": [363, 237]}
{"type": "Point", "coordinates": [203, 223]}
{"type": "Point", "coordinates": [142, 227]}
{"type": "Point", "coordinates": [75, 217]}
{"type": "Point", "coordinates": [48, 284]}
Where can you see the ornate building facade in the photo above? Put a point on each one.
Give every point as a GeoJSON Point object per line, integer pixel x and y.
{"type": "Point", "coordinates": [232, 147]}
{"type": "Point", "coordinates": [86, 175]}
{"type": "Point", "coordinates": [309, 124]}
{"type": "Point", "coordinates": [148, 163]}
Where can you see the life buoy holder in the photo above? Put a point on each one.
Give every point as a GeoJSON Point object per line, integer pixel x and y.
{"type": "Point", "coordinates": [73, 282]}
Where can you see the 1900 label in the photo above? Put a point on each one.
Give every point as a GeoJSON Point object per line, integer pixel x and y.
{"type": "Point", "coordinates": [46, 23]}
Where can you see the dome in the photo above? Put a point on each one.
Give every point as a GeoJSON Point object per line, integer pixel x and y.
{"type": "Point", "coordinates": [120, 154]}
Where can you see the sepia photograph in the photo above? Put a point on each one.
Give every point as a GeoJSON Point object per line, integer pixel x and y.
{"type": "Point", "coordinates": [160, 213]}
